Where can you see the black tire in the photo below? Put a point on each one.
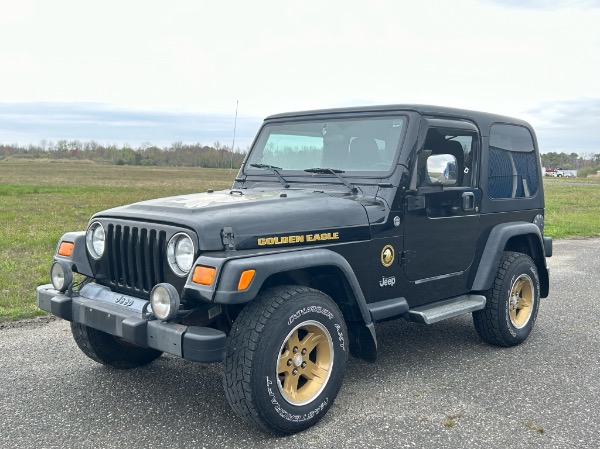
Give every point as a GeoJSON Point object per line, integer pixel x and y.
{"type": "Point", "coordinates": [512, 302]}
{"type": "Point", "coordinates": [110, 350]}
{"type": "Point", "coordinates": [259, 379]}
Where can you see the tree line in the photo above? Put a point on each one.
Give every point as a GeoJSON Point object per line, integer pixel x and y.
{"type": "Point", "coordinates": [569, 161]}
{"type": "Point", "coordinates": [197, 155]}
{"type": "Point", "coordinates": [177, 154]}
{"type": "Point", "coordinates": [585, 165]}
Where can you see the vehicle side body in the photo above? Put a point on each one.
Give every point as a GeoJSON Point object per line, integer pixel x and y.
{"type": "Point", "coordinates": [392, 246]}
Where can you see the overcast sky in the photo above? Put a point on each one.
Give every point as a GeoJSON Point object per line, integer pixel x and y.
{"type": "Point", "coordinates": [156, 71]}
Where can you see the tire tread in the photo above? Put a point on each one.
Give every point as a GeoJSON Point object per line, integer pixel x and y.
{"type": "Point", "coordinates": [242, 347]}
{"type": "Point", "coordinates": [487, 321]}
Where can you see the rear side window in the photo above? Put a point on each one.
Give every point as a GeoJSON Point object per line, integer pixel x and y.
{"type": "Point", "coordinates": [512, 169]}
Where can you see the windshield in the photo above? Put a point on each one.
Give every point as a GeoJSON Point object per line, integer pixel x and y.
{"type": "Point", "coordinates": [367, 145]}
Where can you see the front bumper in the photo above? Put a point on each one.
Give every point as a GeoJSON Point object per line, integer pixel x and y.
{"type": "Point", "coordinates": [121, 315]}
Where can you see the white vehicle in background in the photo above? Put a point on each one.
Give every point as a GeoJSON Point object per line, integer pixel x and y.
{"type": "Point", "coordinates": [562, 173]}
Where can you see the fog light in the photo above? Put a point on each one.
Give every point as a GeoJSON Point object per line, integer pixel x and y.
{"type": "Point", "coordinates": [165, 301]}
{"type": "Point", "coordinates": [61, 275]}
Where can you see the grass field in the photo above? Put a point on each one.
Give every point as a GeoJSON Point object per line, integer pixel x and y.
{"type": "Point", "coordinates": [572, 207]}
{"type": "Point", "coordinates": [40, 201]}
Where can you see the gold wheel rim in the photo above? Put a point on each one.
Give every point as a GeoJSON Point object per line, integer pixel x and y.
{"type": "Point", "coordinates": [520, 301]}
{"type": "Point", "coordinates": [304, 363]}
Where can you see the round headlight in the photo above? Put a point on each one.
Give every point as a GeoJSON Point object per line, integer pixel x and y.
{"type": "Point", "coordinates": [180, 254]}
{"type": "Point", "coordinates": [61, 275]}
{"type": "Point", "coordinates": [164, 300]}
{"type": "Point", "coordinates": [94, 240]}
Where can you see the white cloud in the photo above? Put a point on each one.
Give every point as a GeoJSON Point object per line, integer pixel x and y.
{"type": "Point", "coordinates": [26, 123]}
{"type": "Point", "coordinates": [569, 126]}
{"type": "Point", "coordinates": [274, 56]}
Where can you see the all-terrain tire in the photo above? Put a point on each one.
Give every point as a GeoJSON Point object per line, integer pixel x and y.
{"type": "Point", "coordinates": [512, 302]}
{"type": "Point", "coordinates": [286, 358]}
{"type": "Point", "coordinates": [109, 350]}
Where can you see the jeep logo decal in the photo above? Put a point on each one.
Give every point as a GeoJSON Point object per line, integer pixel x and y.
{"type": "Point", "coordinates": [123, 301]}
{"type": "Point", "coordinates": [387, 282]}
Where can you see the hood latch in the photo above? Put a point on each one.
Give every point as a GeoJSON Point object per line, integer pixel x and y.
{"type": "Point", "coordinates": [228, 239]}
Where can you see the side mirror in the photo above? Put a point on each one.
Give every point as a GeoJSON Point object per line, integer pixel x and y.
{"type": "Point", "coordinates": [442, 170]}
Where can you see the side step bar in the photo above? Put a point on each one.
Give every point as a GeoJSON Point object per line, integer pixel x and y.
{"type": "Point", "coordinates": [448, 308]}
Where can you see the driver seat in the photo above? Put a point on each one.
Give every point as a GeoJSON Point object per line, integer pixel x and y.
{"type": "Point", "coordinates": [364, 153]}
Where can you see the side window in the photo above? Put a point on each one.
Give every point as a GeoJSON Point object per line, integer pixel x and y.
{"type": "Point", "coordinates": [512, 171]}
{"type": "Point", "coordinates": [468, 148]}
{"type": "Point", "coordinates": [457, 143]}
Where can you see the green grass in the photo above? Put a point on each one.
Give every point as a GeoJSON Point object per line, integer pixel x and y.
{"type": "Point", "coordinates": [572, 207]}
{"type": "Point", "coordinates": [40, 201]}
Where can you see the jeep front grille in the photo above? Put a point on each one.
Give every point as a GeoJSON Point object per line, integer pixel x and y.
{"type": "Point", "coordinates": [135, 257]}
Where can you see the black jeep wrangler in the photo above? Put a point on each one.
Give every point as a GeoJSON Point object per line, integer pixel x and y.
{"type": "Point", "coordinates": [337, 219]}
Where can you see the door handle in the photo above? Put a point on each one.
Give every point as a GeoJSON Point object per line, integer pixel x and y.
{"type": "Point", "coordinates": [468, 200]}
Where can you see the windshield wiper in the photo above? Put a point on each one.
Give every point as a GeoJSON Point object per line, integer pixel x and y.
{"type": "Point", "coordinates": [274, 170]}
{"type": "Point", "coordinates": [335, 172]}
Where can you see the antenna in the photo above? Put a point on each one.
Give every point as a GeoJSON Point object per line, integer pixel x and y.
{"type": "Point", "coordinates": [234, 128]}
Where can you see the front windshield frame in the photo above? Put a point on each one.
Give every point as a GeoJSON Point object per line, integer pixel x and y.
{"type": "Point", "coordinates": [379, 128]}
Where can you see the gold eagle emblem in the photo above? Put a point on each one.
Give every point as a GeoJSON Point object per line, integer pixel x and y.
{"type": "Point", "coordinates": [387, 255]}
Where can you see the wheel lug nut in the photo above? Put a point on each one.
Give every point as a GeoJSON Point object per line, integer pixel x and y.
{"type": "Point", "coordinates": [295, 371]}
{"type": "Point", "coordinates": [295, 350]}
{"type": "Point", "coordinates": [303, 365]}
{"type": "Point", "coordinates": [289, 362]}
{"type": "Point", "coordinates": [304, 351]}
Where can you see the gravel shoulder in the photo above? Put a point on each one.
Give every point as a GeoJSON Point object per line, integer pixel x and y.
{"type": "Point", "coordinates": [432, 386]}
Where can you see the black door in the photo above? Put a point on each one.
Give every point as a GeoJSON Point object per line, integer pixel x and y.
{"type": "Point", "coordinates": [442, 222]}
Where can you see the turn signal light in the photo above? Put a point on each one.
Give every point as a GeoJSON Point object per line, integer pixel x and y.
{"type": "Point", "coordinates": [204, 275]}
{"type": "Point", "coordinates": [245, 279]}
{"type": "Point", "coordinates": [66, 248]}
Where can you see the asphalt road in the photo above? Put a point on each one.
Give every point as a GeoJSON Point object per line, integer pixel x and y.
{"type": "Point", "coordinates": [433, 386]}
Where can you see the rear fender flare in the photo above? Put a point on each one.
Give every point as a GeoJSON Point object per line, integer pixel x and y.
{"type": "Point", "coordinates": [495, 245]}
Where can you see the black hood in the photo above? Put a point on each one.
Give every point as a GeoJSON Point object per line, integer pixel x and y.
{"type": "Point", "coordinates": [254, 214]}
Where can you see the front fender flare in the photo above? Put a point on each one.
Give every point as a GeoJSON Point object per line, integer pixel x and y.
{"type": "Point", "coordinates": [78, 259]}
{"type": "Point", "coordinates": [226, 291]}
{"type": "Point", "coordinates": [362, 334]}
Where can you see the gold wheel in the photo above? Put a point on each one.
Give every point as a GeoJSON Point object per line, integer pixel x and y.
{"type": "Point", "coordinates": [304, 363]}
{"type": "Point", "coordinates": [520, 301]}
